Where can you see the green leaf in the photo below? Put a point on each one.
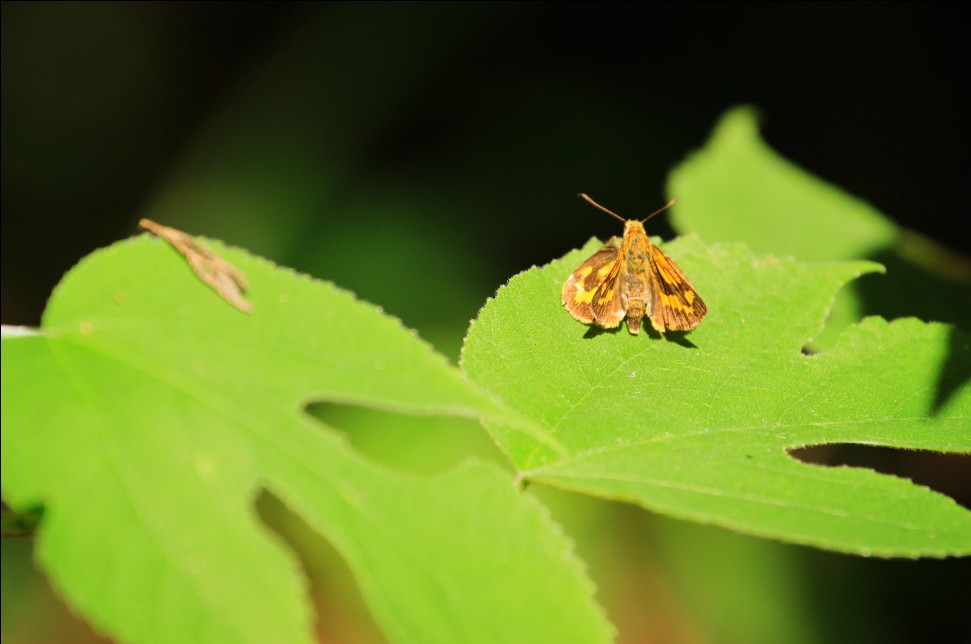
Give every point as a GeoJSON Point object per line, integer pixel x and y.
{"type": "Point", "coordinates": [698, 426]}
{"type": "Point", "coordinates": [147, 414]}
{"type": "Point", "coordinates": [739, 189]}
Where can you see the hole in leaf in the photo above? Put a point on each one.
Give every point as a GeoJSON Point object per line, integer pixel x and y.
{"type": "Point", "coordinates": [341, 613]}
{"type": "Point", "coordinates": [419, 444]}
{"type": "Point", "coordinates": [946, 473]}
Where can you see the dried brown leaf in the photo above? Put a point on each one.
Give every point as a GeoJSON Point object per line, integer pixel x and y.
{"type": "Point", "coordinates": [220, 275]}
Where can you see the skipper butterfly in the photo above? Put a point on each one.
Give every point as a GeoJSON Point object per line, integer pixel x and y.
{"type": "Point", "coordinates": [632, 278]}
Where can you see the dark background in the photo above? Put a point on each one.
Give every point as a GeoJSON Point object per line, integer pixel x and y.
{"type": "Point", "coordinates": [517, 107]}
{"type": "Point", "coordinates": [442, 146]}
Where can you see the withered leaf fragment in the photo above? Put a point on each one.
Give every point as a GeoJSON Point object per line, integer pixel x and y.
{"type": "Point", "coordinates": [220, 275]}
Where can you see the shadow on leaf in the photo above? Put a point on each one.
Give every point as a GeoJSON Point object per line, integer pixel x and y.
{"type": "Point", "coordinates": [593, 331]}
{"type": "Point", "coordinates": [930, 283]}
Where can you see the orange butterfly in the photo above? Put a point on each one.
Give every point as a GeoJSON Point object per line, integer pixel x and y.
{"type": "Point", "coordinates": [632, 278]}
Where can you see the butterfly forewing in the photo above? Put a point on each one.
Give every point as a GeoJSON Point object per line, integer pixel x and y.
{"type": "Point", "coordinates": [581, 287]}
{"type": "Point", "coordinates": [609, 302]}
{"type": "Point", "coordinates": [676, 304]}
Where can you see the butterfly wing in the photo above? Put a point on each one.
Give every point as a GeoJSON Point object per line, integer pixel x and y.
{"type": "Point", "coordinates": [609, 302]}
{"type": "Point", "coordinates": [583, 287]}
{"type": "Point", "coordinates": [675, 304]}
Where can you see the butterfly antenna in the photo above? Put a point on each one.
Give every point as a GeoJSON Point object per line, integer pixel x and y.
{"type": "Point", "coordinates": [661, 209]}
{"type": "Point", "coordinates": [609, 212]}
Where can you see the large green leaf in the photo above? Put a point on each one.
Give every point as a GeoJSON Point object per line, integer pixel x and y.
{"type": "Point", "coordinates": [738, 189]}
{"type": "Point", "coordinates": [146, 414]}
{"type": "Point", "coordinates": [698, 426]}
